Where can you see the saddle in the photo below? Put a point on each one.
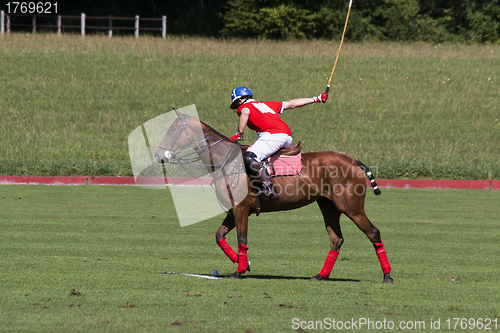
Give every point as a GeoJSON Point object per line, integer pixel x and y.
{"type": "Point", "coordinates": [289, 151]}
{"type": "Point", "coordinates": [285, 162]}
{"type": "Point", "coordinates": [289, 157]}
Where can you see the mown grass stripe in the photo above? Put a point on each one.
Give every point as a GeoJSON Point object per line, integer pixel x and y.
{"type": "Point", "coordinates": [408, 111]}
{"type": "Point", "coordinates": [92, 258]}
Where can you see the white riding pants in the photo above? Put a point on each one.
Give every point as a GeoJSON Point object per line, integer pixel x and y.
{"type": "Point", "coordinates": [267, 144]}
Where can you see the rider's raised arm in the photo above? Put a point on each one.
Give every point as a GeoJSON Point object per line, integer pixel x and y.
{"type": "Point", "coordinates": [295, 103]}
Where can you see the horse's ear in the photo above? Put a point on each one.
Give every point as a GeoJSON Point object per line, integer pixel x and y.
{"type": "Point", "coordinates": [179, 114]}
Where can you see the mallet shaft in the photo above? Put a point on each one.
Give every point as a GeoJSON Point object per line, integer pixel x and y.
{"type": "Point", "coordinates": [338, 53]}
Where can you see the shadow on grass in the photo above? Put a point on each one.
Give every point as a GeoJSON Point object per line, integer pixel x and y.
{"type": "Point", "coordinates": [261, 277]}
{"type": "Point", "coordinates": [281, 277]}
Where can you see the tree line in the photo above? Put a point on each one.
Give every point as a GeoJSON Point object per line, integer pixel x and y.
{"type": "Point", "coordinates": [383, 20]}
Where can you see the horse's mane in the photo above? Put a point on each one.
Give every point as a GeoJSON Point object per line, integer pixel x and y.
{"type": "Point", "coordinates": [209, 128]}
{"type": "Point", "coordinates": [215, 132]}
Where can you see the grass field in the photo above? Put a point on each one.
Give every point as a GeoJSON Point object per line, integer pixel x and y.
{"type": "Point", "coordinates": [93, 259]}
{"type": "Point", "coordinates": [408, 110]}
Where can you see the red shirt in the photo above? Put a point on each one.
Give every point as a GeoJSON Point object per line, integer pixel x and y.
{"type": "Point", "coordinates": [265, 117]}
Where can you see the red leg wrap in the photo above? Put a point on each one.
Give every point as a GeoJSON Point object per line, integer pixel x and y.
{"type": "Point", "coordinates": [226, 248]}
{"type": "Point", "coordinates": [382, 256]}
{"type": "Point", "coordinates": [242, 259]}
{"type": "Point", "coordinates": [329, 262]}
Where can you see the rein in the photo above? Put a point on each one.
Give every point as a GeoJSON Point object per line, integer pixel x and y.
{"type": "Point", "coordinates": [190, 160]}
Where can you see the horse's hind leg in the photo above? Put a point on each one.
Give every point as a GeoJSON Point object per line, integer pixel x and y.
{"type": "Point", "coordinates": [331, 216]}
{"type": "Point", "coordinates": [364, 224]}
{"type": "Point", "coordinates": [220, 236]}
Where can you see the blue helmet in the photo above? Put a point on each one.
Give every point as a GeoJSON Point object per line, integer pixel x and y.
{"type": "Point", "coordinates": [239, 93]}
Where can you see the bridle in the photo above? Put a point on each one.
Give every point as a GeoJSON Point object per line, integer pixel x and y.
{"type": "Point", "coordinates": [184, 127]}
{"type": "Point", "coordinates": [182, 160]}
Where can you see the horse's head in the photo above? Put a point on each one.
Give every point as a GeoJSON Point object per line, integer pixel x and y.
{"type": "Point", "coordinates": [181, 135]}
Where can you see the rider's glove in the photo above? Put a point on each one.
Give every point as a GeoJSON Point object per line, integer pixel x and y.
{"type": "Point", "coordinates": [321, 98]}
{"type": "Point", "coordinates": [236, 137]}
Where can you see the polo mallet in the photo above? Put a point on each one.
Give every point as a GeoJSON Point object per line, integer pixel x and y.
{"type": "Point", "coordinates": [338, 53]}
{"type": "Point", "coordinates": [195, 275]}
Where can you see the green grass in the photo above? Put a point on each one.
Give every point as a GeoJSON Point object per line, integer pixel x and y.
{"type": "Point", "coordinates": [408, 110]}
{"type": "Point", "coordinates": [93, 259]}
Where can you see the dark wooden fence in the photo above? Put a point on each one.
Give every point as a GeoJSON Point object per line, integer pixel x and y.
{"type": "Point", "coordinates": [8, 21]}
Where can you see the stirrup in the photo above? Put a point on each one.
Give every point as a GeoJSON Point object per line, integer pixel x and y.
{"type": "Point", "coordinates": [267, 193]}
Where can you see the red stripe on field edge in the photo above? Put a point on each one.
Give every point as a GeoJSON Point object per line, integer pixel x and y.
{"type": "Point", "coordinates": [382, 183]}
{"type": "Point", "coordinates": [495, 184]}
{"type": "Point", "coordinates": [49, 180]}
{"type": "Point", "coordinates": [42, 180]}
{"type": "Point", "coordinates": [438, 184]}
{"type": "Point", "coordinates": [110, 181]}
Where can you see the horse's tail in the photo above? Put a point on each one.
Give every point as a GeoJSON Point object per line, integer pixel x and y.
{"type": "Point", "coordinates": [369, 174]}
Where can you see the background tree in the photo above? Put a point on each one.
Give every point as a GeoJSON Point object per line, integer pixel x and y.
{"type": "Point", "coordinates": [398, 20]}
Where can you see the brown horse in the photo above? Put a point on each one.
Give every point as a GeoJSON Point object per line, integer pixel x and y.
{"type": "Point", "coordinates": [335, 181]}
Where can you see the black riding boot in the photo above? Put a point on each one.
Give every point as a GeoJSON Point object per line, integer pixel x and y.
{"type": "Point", "coordinates": [259, 178]}
{"type": "Point", "coordinates": [268, 189]}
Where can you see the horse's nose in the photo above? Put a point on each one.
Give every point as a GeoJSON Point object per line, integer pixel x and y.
{"type": "Point", "coordinates": [165, 157]}
{"type": "Point", "coordinates": [158, 158]}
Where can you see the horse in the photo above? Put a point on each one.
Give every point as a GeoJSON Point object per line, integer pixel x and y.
{"type": "Point", "coordinates": [335, 181]}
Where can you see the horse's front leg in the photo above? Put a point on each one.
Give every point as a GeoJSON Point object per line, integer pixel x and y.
{"type": "Point", "coordinates": [220, 236]}
{"type": "Point", "coordinates": [241, 221]}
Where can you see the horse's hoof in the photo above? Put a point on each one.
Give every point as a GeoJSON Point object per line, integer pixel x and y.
{"type": "Point", "coordinates": [235, 275]}
{"type": "Point", "coordinates": [248, 265]}
{"type": "Point", "coordinates": [388, 279]}
{"type": "Point", "coordinates": [317, 277]}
